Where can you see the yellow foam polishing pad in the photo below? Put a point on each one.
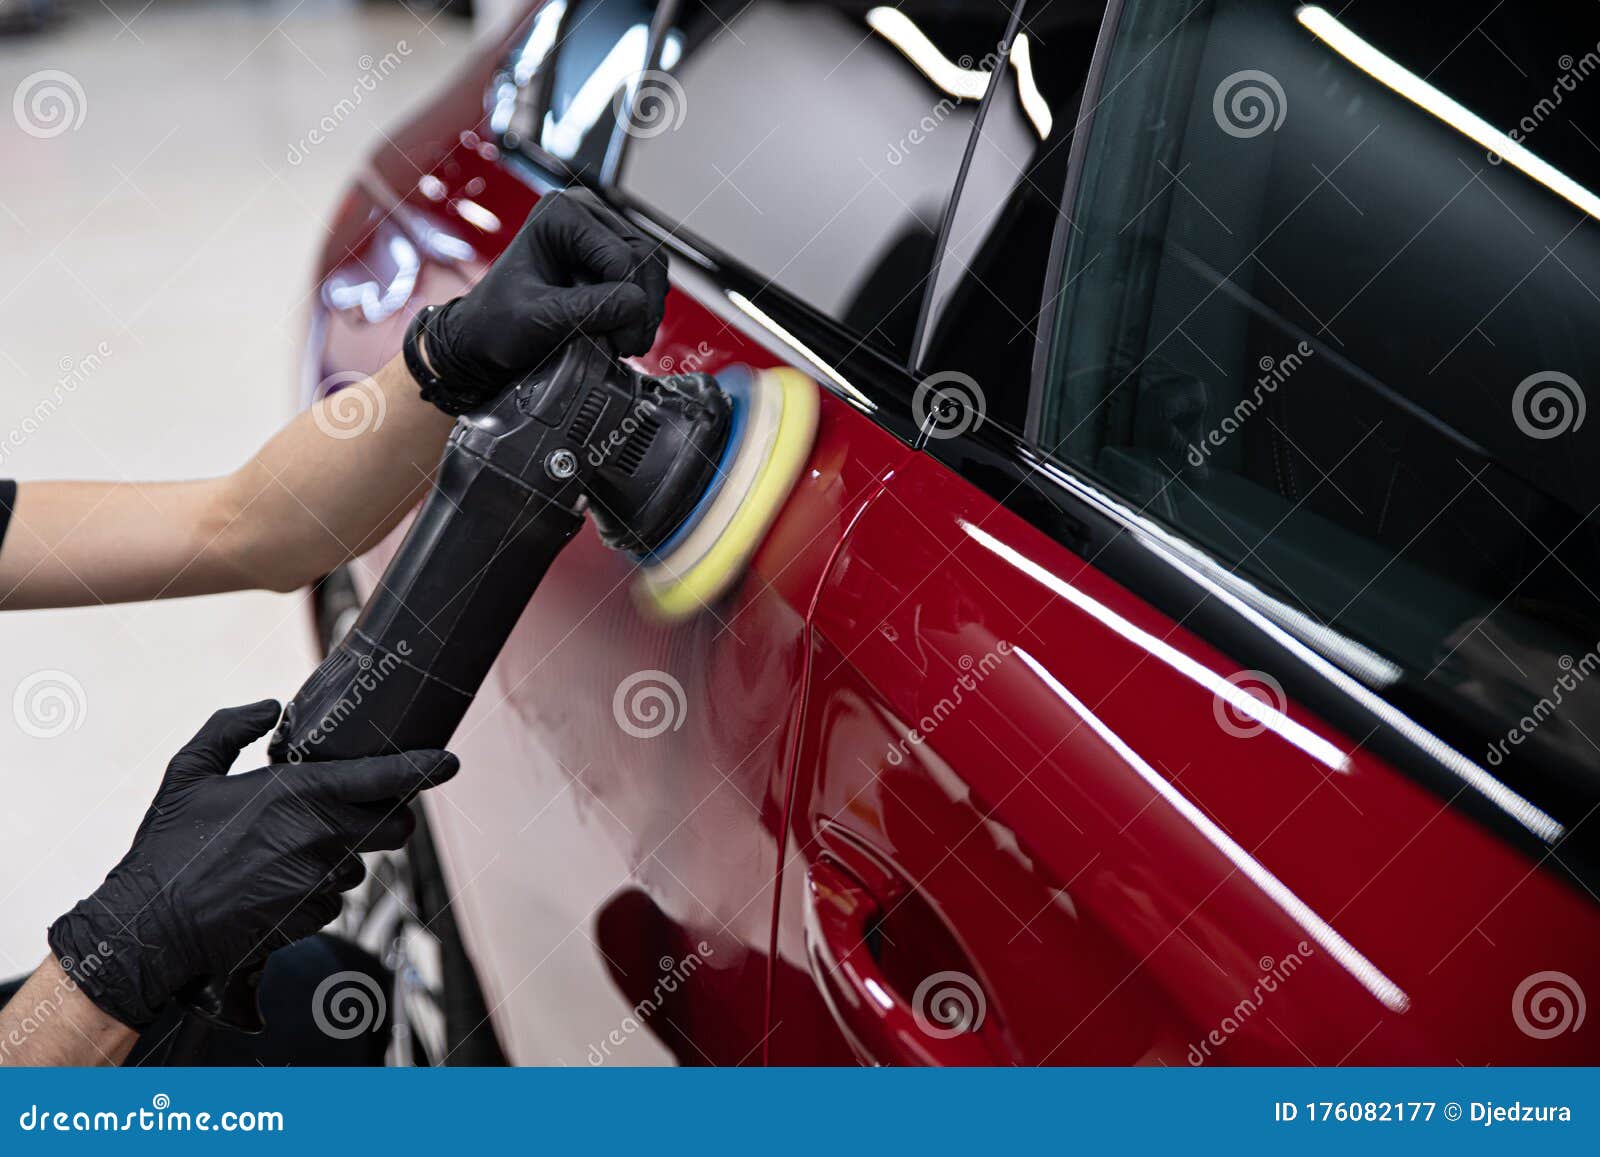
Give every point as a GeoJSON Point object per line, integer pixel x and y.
{"type": "Point", "coordinates": [778, 432]}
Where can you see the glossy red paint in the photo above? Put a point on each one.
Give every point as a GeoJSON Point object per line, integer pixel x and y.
{"type": "Point", "coordinates": [921, 745]}
{"type": "Point", "coordinates": [1117, 870]}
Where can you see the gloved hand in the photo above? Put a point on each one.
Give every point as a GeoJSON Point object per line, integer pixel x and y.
{"type": "Point", "coordinates": [574, 267]}
{"type": "Point", "coordinates": [226, 868]}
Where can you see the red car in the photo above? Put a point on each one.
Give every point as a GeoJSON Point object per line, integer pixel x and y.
{"type": "Point", "coordinates": [1175, 651]}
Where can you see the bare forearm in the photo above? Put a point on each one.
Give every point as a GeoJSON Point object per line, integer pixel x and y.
{"type": "Point", "coordinates": [51, 1022]}
{"type": "Point", "coordinates": [332, 483]}
{"type": "Point", "coordinates": [326, 487]}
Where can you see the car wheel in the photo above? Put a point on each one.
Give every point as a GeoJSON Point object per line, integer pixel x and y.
{"type": "Point", "coordinates": [401, 914]}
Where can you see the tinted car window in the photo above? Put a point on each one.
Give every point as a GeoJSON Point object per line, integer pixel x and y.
{"type": "Point", "coordinates": [816, 144]}
{"type": "Point", "coordinates": [602, 48]}
{"type": "Point", "coordinates": [984, 312]}
{"type": "Point", "coordinates": [568, 81]}
{"type": "Point", "coordinates": [1329, 310]}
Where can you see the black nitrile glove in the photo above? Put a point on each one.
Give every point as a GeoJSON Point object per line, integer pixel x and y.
{"type": "Point", "coordinates": [226, 868]}
{"type": "Point", "coordinates": [574, 267]}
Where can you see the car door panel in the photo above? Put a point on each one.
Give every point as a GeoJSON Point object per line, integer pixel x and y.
{"type": "Point", "coordinates": [678, 815]}
{"type": "Point", "coordinates": [1050, 768]}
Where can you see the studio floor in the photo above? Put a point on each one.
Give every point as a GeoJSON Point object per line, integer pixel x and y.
{"type": "Point", "coordinates": [165, 243]}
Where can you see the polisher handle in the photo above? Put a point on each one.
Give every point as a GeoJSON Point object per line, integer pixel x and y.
{"type": "Point", "coordinates": [507, 497]}
{"type": "Point", "coordinates": [405, 673]}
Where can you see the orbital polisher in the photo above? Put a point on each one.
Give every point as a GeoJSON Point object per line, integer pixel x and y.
{"type": "Point", "coordinates": [685, 472]}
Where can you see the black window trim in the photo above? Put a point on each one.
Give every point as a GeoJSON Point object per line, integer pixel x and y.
{"type": "Point", "coordinates": [1082, 131]}
{"type": "Point", "coordinates": [919, 333]}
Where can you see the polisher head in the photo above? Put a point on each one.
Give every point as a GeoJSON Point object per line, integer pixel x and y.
{"type": "Point", "coordinates": [773, 423]}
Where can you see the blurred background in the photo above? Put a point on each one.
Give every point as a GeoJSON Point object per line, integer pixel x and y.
{"type": "Point", "coordinates": [161, 251]}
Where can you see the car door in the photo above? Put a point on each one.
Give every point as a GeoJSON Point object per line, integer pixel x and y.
{"type": "Point", "coordinates": [1197, 705]}
{"type": "Point", "coordinates": [615, 850]}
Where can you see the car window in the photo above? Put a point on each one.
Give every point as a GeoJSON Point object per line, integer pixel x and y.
{"type": "Point", "coordinates": [568, 82]}
{"type": "Point", "coordinates": [602, 50]}
{"type": "Point", "coordinates": [816, 143]}
{"type": "Point", "coordinates": [1328, 310]}
{"type": "Point", "coordinates": [987, 299]}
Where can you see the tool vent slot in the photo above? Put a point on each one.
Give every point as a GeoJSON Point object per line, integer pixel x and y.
{"type": "Point", "coordinates": [638, 444]}
{"type": "Point", "coordinates": [584, 421]}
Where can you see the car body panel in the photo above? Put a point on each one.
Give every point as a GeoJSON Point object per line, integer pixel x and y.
{"type": "Point", "coordinates": [775, 873]}
{"type": "Point", "coordinates": [1038, 761]}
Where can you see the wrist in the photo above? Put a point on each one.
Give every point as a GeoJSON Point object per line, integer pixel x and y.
{"type": "Point", "coordinates": [95, 1022]}
{"type": "Point", "coordinates": [430, 362]}
{"type": "Point", "coordinates": [52, 1022]}
{"type": "Point", "coordinates": [108, 970]}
